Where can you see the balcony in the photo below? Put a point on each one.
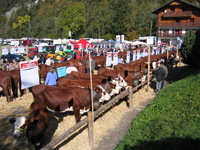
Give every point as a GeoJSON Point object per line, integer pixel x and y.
{"type": "Point", "coordinates": [170, 34]}
{"type": "Point", "coordinates": [179, 24]}
{"type": "Point", "coordinates": [178, 14]}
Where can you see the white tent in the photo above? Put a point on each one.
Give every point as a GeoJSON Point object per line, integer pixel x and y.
{"type": "Point", "coordinates": [139, 43]}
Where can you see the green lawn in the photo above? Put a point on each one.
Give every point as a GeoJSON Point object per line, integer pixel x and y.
{"type": "Point", "coordinates": [171, 121]}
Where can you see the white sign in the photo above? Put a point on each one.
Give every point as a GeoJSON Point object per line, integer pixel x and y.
{"type": "Point", "coordinates": [110, 45]}
{"type": "Point", "coordinates": [40, 49]}
{"type": "Point", "coordinates": [138, 54]}
{"type": "Point", "coordinates": [115, 58]}
{"type": "Point", "coordinates": [4, 50]}
{"type": "Point", "coordinates": [13, 50]}
{"type": "Point", "coordinates": [70, 34]}
{"type": "Point", "coordinates": [64, 48]}
{"type": "Point", "coordinates": [101, 46]}
{"type": "Point", "coordinates": [108, 59]}
{"type": "Point", "coordinates": [104, 45]}
{"type": "Point", "coordinates": [128, 57]}
{"type": "Point", "coordinates": [57, 49]}
{"type": "Point", "coordinates": [122, 38]}
{"type": "Point", "coordinates": [134, 55]}
{"type": "Point", "coordinates": [21, 49]}
{"type": "Point", "coordinates": [117, 37]}
{"type": "Point", "coordinates": [29, 74]}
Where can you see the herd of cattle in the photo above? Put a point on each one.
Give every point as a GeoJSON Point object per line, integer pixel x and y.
{"type": "Point", "coordinates": [73, 92]}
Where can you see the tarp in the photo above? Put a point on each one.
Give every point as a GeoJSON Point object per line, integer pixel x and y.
{"type": "Point", "coordinates": [139, 43]}
{"type": "Point", "coordinates": [83, 44]}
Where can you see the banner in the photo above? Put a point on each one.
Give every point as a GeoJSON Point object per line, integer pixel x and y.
{"type": "Point", "coordinates": [57, 49]}
{"type": "Point", "coordinates": [117, 37]}
{"type": "Point", "coordinates": [115, 58]}
{"type": "Point", "coordinates": [40, 49]}
{"type": "Point", "coordinates": [61, 71]}
{"type": "Point", "coordinates": [29, 73]}
{"type": "Point", "coordinates": [134, 55]}
{"type": "Point", "coordinates": [4, 50]}
{"type": "Point", "coordinates": [138, 54]}
{"type": "Point", "coordinates": [13, 50]}
{"type": "Point", "coordinates": [21, 49]}
{"type": "Point", "coordinates": [128, 57]}
{"type": "Point", "coordinates": [108, 59]}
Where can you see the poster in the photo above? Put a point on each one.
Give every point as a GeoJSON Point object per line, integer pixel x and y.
{"type": "Point", "coordinates": [29, 74]}
{"type": "Point", "coordinates": [4, 50]}
{"type": "Point", "coordinates": [117, 37]}
{"type": "Point", "coordinates": [134, 55]}
{"type": "Point", "coordinates": [57, 49]}
{"type": "Point", "coordinates": [13, 50]}
{"type": "Point", "coordinates": [128, 57]}
{"type": "Point", "coordinates": [21, 49]}
{"type": "Point", "coordinates": [40, 49]}
{"type": "Point", "coordinates": [109, 59]}
{"type": "Point", "coordinates": [122, 38]}
{"type": "Point", "coordinates": [61, 71]}
{"type": "Point", "coordinates": [138, 54]}
{"type": "Point", "coordinates": [115, 58]}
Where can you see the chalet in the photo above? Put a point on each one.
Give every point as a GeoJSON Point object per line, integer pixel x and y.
{"type": "Point", "coordinates": [175, 19]}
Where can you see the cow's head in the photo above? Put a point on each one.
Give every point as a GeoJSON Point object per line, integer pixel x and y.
{"type": "Point", "coordinates": [115, 88]}
{"type": "Point", "coordinates": [19, 126]}
{"type": "Point", "coordinates": [102, 93]}
{"type": "Point", "coordinates": [122, 82]}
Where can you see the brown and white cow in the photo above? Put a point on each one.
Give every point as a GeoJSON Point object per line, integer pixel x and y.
{"type": "Point", "coordinates": [66, 99]}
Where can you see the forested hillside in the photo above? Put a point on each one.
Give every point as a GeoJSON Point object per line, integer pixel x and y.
{"type": "Point", "coordinates": [84, 18]}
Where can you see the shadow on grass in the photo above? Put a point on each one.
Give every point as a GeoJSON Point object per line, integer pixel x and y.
{"type": "Point", "coordinates": [167, 144]}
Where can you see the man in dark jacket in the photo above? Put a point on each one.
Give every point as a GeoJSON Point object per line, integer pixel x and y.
{"type": "Point", "coordinates": [160, 73]}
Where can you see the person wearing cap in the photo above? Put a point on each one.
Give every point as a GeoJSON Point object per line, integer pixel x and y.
{"type": "Point", "coordinates": [88, 66]}
{"type": "Point", "coordinates": [51, 77]}
{"type": "Point", "coordinates": [81, 67]}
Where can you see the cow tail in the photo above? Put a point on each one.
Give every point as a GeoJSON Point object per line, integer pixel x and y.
{"type": "Point", "coordinates": [10, 87]}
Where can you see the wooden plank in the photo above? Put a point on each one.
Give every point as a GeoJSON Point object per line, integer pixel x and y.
{"type": "Point", "coordinates": [130, 98]}
{"type": "Point", "coordinates": [91, 129]}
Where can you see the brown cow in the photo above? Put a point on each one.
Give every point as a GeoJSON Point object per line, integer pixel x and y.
{"type": "Point", "coordinates": [6, 84]}
{"type": "Point", "coordinates": [65, 99]}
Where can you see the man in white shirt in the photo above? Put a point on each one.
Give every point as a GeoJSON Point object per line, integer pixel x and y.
{"type": "Point", "coordinates": [48, 61]}
{"type": "Point", "coordinates": [71, 68]}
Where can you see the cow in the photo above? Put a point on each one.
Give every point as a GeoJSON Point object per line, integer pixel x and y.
{"type": "Point", "coordinates": [44, 69]}
{"type": "Point", "coordinates": [15, 77]}
{"type": "Point", "coordinates": [66, 99]}
{"type": "Point", "coordinates": [6, 84]}
{"type": "Point", "coordinates": [34, 126]}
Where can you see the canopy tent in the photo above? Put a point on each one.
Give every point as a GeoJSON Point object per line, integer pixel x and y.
{"type": "Point", "coordinates": [83, 44]}
{"type": "Point", "coordinates": [139, 43]}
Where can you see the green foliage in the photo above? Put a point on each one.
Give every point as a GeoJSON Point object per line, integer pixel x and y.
{"type": "Point", "coordinates": [171, 121]}
{"type": "Point", "coordinates": [190, 48]}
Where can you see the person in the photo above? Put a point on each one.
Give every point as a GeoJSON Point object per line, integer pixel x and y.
{"type": "Point", "coordinates": [88, 66]}
{"type": "Point", "coordinates": [120, 61]}
{"type": "Point", "coordinates": [71, 68]}
{"type": "Point", "coordinates": [78, 56]}
{"type": "Point", "coordinates": [6, 64]}
{"type": "Point", "coordinates": [166, 72]}
{"type": "Point", "coordinates": [48, 61]}
{"type": "Point", "coordinates": [81, 67]}
{"type": "Point", "coordinates": [51, 77]}
{"type": "Point", "coordinates": [160, 73]}
{"type": "Point", "coordinates": [12, 65]}
{"type": "Point", "coordinates": [58, 58]}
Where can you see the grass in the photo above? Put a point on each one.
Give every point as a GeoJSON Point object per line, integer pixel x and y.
{"type": "Point", "coordinates": [171, 121]}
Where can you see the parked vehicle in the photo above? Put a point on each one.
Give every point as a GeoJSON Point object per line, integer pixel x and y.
{"type": "Point", "coordinates": [12, 57]}
{"type": "Point", "coordinates": [27, 42]}
{"type": "Point", "coordinates": [32, 52]}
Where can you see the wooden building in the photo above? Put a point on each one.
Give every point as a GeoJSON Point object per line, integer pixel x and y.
{"type": "Point", "coordinates": [175, 19]}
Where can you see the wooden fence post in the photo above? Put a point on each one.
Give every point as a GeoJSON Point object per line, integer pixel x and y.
{"type": "Point", "coordinates": [148, 69]}
{"type": "Point", "coordinates": [91, 129]}
{"type": "Point", "coordinates": [130, 98]}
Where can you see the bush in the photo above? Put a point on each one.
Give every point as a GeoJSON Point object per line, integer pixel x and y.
{"type": "Point", "coordinates": [190, 48]}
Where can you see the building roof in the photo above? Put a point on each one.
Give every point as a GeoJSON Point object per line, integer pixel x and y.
{"type": "Point", "coordinates": [163, 7]}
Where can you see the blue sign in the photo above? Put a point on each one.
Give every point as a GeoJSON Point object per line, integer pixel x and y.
{"type": "Point", "coordinates": [61, 71]}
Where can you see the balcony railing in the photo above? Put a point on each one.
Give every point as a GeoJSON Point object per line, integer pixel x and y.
{"type": "Point", "coordinates": [170, 34]}
{"type": "Point", "coordinates": [178, 14]}
{"type": "Point", "coordinates": [179, 24]}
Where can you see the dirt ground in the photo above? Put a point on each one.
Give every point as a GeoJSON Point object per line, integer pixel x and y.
{"type": "Point", "coordinates": [109, 128]}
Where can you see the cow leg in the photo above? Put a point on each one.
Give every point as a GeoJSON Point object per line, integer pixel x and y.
{"type": "Point", "coordinates": [5, 90]}
{"type": "Point", "coordinates": [18, 90]}
{"type": "Point", "coordinates": [11, 93]}
{"type": "Point", "coordinates": [77, 114]}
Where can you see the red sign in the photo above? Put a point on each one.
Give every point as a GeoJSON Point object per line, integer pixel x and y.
{"type": "Point", "coordinates": [115, 54]}
{"type": "Point", "coordinates": [109, 54]}
{"type": "Point", "coordinates": [27, 65]}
